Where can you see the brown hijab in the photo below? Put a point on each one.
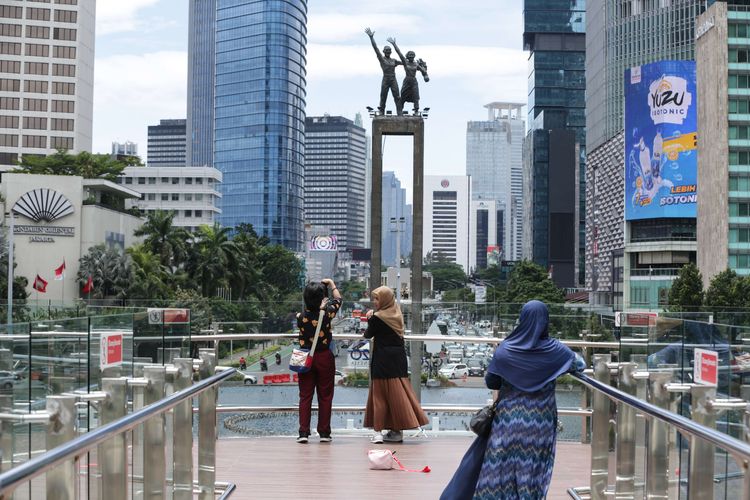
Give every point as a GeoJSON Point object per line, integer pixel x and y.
{"type": "Point", "coordinates": [389, 311]}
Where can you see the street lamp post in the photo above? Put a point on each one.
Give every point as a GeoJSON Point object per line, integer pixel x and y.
{"type": "Point", "coordinates": [397, 226]}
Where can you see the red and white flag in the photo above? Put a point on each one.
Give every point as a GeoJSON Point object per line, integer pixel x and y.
{"type": "Point", "coordinates": [89, 286]}
{"type": "Point", "coordinates": [60, 272]}
{"type": "Point", "coordinates": [40, 284]}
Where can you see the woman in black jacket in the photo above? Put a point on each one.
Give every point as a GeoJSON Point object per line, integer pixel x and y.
{"type": "Point", "coordinates": [391, 403]}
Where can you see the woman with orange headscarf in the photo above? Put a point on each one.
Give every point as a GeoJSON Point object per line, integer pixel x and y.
{"type": "Point", "coordinates": [391, 403]}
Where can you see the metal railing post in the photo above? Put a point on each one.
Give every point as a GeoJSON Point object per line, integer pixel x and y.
{"type": "Point", "coordinates": [600, 430]}
{"type": "Point", "coordinates": [183, 433]}
{"type": "Point", "coordinates": [113, 454]}
{"type": "Point", "coordinates": [154, 461]}
{"type": "Point", "coordinates": [701, 478]}
{"type": "Point", "coordinates": [6, 434]}
{"type": "Point", "coordinates": [207, 429]}
{"type": "Point", "coordinates": [625, 443]}
{"type": "Point", "coordinates": [657, 438]}
{"type": "Point", "coordinates": [62, 481]}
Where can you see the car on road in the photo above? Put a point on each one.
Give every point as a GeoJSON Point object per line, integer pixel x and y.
{"type": "Point", "coordinates": [454, 370]}
{"type": "Point", "coordinates": [476, 368]}
{"type": "Point", "coordinates": [8, 379]}
{"type": "Point", "coordinates": [249, 379]}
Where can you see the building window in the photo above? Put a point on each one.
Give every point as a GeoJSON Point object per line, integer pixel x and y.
{"type": "Point", "coordinates": [165, 180]}
{"type": "Point", "coordinates": [198, 197]}
{"type": "Point", "coordinates": [37, 50]}
{"type": "Point", "coordinates": [35, 141]}
{"type": "Point", "coordinates": [62, 143]}
{"type": "Point", "coordinates": [8, 121]}
{"type": "Point", "coordinates": [37, 32]}
{"type": "Point", "coordinates": [36, 68]}
{"type": "Point", "coordinates": [63, 106]}
{"type": "Point", "coordinates": [141, 180]}
{"type": "Point", "coordinates": [739, 209]}
{"type": "Point", "coordinates": [152, 180]}
{"type": "Point", "coordinates": [199, 180]}
{"type": "Point", "coordinates": [9, 102]}
{"type": "Point", "coordinates": [10, 66]}
{"type": "Point", "coordinates": [35, 86]}
{"type": "Point", "coordinates": [63, 88]}
{"type": "Point", "coordinates": [64, 52]}
{"type": "Point", "coordinates": [11, 11]}
{"type": "Point", "coordinates": [175, 180]}
{"type": "Point", "coordinates": [35, 104]}
{"type": "Point", "coordinates": [737, 30]}
{"type": "Point", "coordinates": [188, 213]}
{"type": "Point", "coordinates": [199, 213]}
{"type": "Point", "coordinates": [10, 48]}
{"type": "Point", "coordinates": [62, 124]}
{"type": "Point", "coordinates": [66, 16]}
{"type": "Point", "coordinates": [188, 197]}
{"type": "Point", "coordinates": [175, 197]}
{"type": "Point", "coordinates": [188, 180]}
{"type": "Point", "coordinates": [128, 180]}
{"type": "Point", "coordinates": [63, 70]}
{"type": "Point", "coordinates": [64, 34]}
{"type": "Point", "coordinates": [36, 14]}
{"type": "Point", "coordinates": [165, 197]}
{"type": "Point", "coordinates": [151, 196]}
{"type": "Point", "coordinates": [10, 85]}
{"type": "Point", "coordinates": [9, 140]}
{"type": "Point", "coordinates": [66, 2]}
{"type": "Point", "coordinates": [34, 123]}
{"type": "Point", "coordinates": [10, 29]}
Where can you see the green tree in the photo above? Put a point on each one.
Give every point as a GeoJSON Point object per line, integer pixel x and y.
{"type": "Point", "coordinates": [352, 290]}
{"type": "Point", "coordinates": [282, 269]}
{"type": "Point", "coordinates": [446, 275]}
{"type": "Point", "coordinates": [724, 291]}
{"type": "Point", "coordinates": [151, 279]}
{"type": "Point", "coordinates": [109, 269]}
{"type": "Point", "coordinates": [686, 293]}
{"type": "Point", "coordinates": [85, 164]}
{"type": "Point", "coordinates": [163, 238]}
{"type": "Point", "coordinates": [529, 281]}
{"type": "Point", "coordinates": [216, 258]}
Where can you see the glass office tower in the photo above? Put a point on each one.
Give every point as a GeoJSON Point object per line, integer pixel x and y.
{"type": "Point", "coordinates": [200, 91]}
{"type": "Point", "coordinates": [258, 111]}
{"type": "Point", "coordinates": [554, 33]}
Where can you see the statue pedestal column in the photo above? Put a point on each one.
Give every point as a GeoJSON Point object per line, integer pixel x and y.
{"type": "Point", "coordinates": [410, 126]}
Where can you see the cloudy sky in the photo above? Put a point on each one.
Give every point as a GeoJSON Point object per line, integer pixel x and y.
{"type": "Point", "coordinates": [472, 47]}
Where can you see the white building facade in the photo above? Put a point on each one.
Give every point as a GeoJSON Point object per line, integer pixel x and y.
{"type": "Point", "coordinates": [46, 77]}
{"type": "Point", "coordinates": [191, 192]}
{"type": "Point", "coordinates": [447, 218]}
{"type": "Point", "coordinates": [57, 219]}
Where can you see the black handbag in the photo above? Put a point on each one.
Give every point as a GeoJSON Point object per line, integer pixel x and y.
{"type": "Point", "coordinates": [481, 422]}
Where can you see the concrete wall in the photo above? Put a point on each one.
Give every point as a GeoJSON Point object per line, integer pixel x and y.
{"type": "Point", "coordinates": [713, 150]}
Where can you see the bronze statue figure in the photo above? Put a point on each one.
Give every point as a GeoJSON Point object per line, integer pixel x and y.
{"type": "Point", "coordinates": [410, 87]}
{"type": "Point", "coordinates": [389, 82]}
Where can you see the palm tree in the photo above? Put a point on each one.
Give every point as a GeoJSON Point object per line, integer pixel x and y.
{"type": "Point", "coordinates": [109, 269]}
{"type": "Point", "coordinates": [164, 239]}
{"type": "Point", "coordinates": [151, 279]}
{"type": "Point", "coordinates": [217, 257]}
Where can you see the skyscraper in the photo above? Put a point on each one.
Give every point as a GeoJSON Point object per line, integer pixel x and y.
{"type": "Point", "coordinates": [554, 34]}
{"type": "Point", "coordinates": [494, 162]}
{"type": "Point", "coordinates": [46, 78]}
{"type": "Point", "coordinates": [166, 144]}
{"type": "Point", "coordinates": [394, 207]}
{"type": "Point", "coordinates": [447, 218]}
{"type": "Point", "coordinates": [258, 110]}
{"type": "Point", "coordinates": [619, 36]}
{"type": "Point", "coordinates": [335, 157]}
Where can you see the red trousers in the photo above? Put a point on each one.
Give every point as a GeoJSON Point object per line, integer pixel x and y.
{"type": "Point", "coordinates": [320, 378]}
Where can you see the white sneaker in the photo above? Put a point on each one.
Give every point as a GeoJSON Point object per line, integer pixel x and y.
{"type": "Point", "coordinates": [394, 437]}
{"type": "Point", "coordinates": [377, 438]}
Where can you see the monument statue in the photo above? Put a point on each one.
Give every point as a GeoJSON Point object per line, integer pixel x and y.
{"type": "Point", "coordinates": [388, 65]}
{"type": "Point", "coordinates": [410, 87]}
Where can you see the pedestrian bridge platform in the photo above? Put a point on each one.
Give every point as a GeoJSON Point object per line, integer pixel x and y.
{"type": "Point", "coordinates": [274, 467]}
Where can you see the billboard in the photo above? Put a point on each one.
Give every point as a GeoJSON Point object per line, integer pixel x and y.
{"type": "Point", "coordinates": [661, 156]}
{"type": "Point", "coordinates": [323, 242]}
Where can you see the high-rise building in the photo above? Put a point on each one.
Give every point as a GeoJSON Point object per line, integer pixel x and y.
{"type": "Point", "coordinates": [167, 144]}
{"type": "Point", "coordinates": [722, 52]}
{"type": "Point", "coordinates": [621, 35]}
{"type": "Point", "coordinates": [257, 92]}
{"type": "Point", "coordinates": [394, 208]}
{"type": "Point", "coordinates": [127, 148]}
{"type": "Point", "coordinates": [447, 218]}
{"type": "Point", "coordinates": [554, 35]}
{"type": "Point", "coordinates": [201, 82]}
{"type": "Point", "coordinates": [335, 157]}
{"type": "Point", "coordinates": [494, 161]}
{"type": "Point", "coordinates": [487, 233]}
{"type": "Point", "coordinates": [46, 77]}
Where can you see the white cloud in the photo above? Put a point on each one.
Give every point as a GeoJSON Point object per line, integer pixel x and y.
{"type": "Point", "coordinates": [117, 16]}
{"type": "Point", "coordinates": [336, 27]}
{"type": "Point", "coordinates": [134, 91]}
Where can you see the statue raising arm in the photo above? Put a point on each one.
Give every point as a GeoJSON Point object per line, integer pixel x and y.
{"type": "Point", "coordinates": [392, 41]}
{"type": "Point", "coordinates": [371, 34]}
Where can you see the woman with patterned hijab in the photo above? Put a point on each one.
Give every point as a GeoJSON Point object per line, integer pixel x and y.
{"type": "Point", "coordinates": [391, 403]}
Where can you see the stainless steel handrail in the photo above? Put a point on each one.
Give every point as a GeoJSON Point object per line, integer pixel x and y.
{"type": "Point", "coordinates": [27, 471]}
{"type": "Point", "coordinates": [739, 449]}
{"type": "Point", "coordinates": [581, 412]}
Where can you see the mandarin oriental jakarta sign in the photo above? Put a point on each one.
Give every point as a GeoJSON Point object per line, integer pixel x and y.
{"type": "Point", "coordinates": [42, 206]}
{"type": "Point", "coordinates": [661, 156]}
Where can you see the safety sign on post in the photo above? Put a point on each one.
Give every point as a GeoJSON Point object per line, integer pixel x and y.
{"type": "Point", "coordinates": [706, 367]}
{"type": "Point", "coordinates": [111, 350]}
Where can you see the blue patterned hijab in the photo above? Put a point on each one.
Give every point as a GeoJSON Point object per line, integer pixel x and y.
{"type": "Point", "coordinates": [528, 359]}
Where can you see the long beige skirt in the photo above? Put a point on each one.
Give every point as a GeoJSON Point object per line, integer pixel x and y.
{"type": "Point", "coordinates": [391, 405]}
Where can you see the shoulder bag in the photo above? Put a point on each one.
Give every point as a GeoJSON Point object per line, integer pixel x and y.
{"type": "Point", "coordinates": [301, 359]}
{"type": "Point", "coordinates": [481, 422]}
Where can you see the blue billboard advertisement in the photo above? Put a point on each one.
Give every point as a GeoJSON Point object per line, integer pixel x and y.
{"type": "Point", "coordinates": [661, 155]}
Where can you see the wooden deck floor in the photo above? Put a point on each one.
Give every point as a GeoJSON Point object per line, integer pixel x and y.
{"type": "Point", "coordinates": [274, 468]}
